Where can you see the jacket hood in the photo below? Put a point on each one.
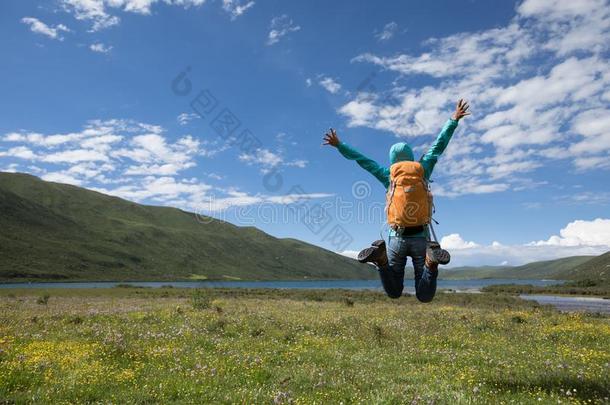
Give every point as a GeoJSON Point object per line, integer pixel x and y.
{"type": "Point", "coordinates": [400, 152]}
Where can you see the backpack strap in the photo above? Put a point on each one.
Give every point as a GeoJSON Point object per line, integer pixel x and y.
{"type": "Point", "coordinates": [435, 239]}
{"type": "Point", "coordinates": [391, 190]}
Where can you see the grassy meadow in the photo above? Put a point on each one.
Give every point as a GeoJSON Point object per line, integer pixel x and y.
{"type": "Point", "coordinates": [140, 345]}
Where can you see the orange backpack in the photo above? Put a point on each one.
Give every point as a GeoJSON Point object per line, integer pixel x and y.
{"type": "Point", "coordinates": [409, 200]}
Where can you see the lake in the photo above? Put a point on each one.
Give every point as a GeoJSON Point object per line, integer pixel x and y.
{"type": "Point", "coordinates": [571, 304]}
{"type": "Point", "coordinates": [459, 285]}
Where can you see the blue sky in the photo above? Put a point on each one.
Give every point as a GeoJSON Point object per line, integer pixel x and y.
{"type": "Point", "coordinates": [91, 96]}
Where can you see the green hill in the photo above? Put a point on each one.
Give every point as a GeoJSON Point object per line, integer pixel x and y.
{"type": "Point", "coordinates": [591, 277]}
{"type": "Point", "coordinates": [52, 231]}
{"type": "Point", "coordinates": [596, 269]}
{"type": "Point", "coordinates": [470, 272]}
{"type": "Point", "coordinates": [548, 269]}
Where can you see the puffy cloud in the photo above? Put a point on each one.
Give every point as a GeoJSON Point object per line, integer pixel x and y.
{"type": "Point", "coordinates": [468, 186]}
{"type": "Point", "coordinates": [577, 238]}
{"type": "Point", "coordinates": [40, 27]}
{"type": "Point", "coordinates": [594, 127]}
{"type": "Point", "coordinates": [581, 233]}
{"type": "Point", "coordinates": [96, 11]}
{"type": "Point", "coordinates": [361, 111]}
{"type": "Point", "coordinates": [352, 254]}
{"type": "Point", "coordinates": [330, 84]}
{"type": "Point", "coordinates": [160, 189]}
{"type": "Point", "coordinates": [60, 177]}
{"type": "Point", "coordinates": [455, 241]}
{"type": "Point", "coordinates": [136, 148]}
{"type": "Point", "coordinates": [100, 48]}
{"type": "Point", "coordinates": [262, 157]}
{"type": "Point", "coordinates": [137, 161]}
{"type": "Point", "coordinates": [280, 27]}
{"type": "Point", "coordinates": [185, 118]}
{"type": "Point", "coordinates": [93, 11]}
{"type": "Point", "coordinates": [267, 159]}
{"type": "Point", "coordinates": [387, 32]}
{"type": "Point", "coordinates": [20, 152]}
{"type": "Point", "coordinates": [236, 8]}
{"type": "Point", "coordinates": [75, 156]}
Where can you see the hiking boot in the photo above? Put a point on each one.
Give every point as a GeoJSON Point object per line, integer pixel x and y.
{"type": "Point", "coordinates": [375, 254]}
{"type": "Point", "coordinates": [432, 266]}
{"type": "Point", "coordinates": [436, 255]}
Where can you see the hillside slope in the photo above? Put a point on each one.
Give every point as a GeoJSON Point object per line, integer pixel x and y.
{"type": "Point", "coordinates": [548, 269]}
{"type": "Point", "coordinates": [52, 231]}
{"type": "Point", "coordinates": [596, 269]}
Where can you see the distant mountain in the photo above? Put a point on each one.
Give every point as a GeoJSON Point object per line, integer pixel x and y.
{"type": "Point", "coordinates": [549, 269]}
{"type": "Point", "coordinates": [470, 272]}
{"type": "Point", "coordinates": [596, 269]}
{"type": "Point", "coordinates": [51, 231]}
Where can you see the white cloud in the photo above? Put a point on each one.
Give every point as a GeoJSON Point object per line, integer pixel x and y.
{"type": "Point", "coordinates": [20, 152]}
{"type": "Point", "coordinates": [263, 157]}
{"type": "Point", "coordinates": [594, 127]}
{"type": "Point", "coordinates": [97, 11]}
{"type": "Point", "coordinates": [352, 254]}
{"type": "Point", "coordinates": [40, 27]}
{"type": "Point", "coordinates": [588, 163]}
{"type": "Point", "coordinates": [300, 163]}
{"type": "Point", "coordinates": [139, 162]}
{"type": "Point", "coordinates": [93, 11]}
{"type": "Point", "coordinates": [330, 84]}
{"type": "Point", "coordinates": [135, 147]}
{"type": "Point", "coordinates": [59, 177]}
{"type": "Point", "coordinates": [581, 233]}
{"type": "Point", "coordinates": [361, 112]}
{"type": "Point", "coordinates": [75, 156]}
{"type": "Point", "coordinates": [268, 160]}
{"type": "Point", "coordinates": [236, 8]}
{"type": "Point", "coordinates": [387, 32]}
{"type": "Point", "coordinates": [577, 238]}
{"type": "Point", "coordinates": [100, 48]}
{"type": "Point", "coordinates": [185, 118]}
{"type": "Point", "coordinates": [11, 168]}
{"type": "Point", "coordinates": [455, 241]}
{"type": "Point", "coordinates": [215, 176]}
{"type": "Point", "coordinates": [538, 87]}
{"type": "Point", "coordinates": [468, 185]}
{"type": "Point", "coordinates": [280, 27]}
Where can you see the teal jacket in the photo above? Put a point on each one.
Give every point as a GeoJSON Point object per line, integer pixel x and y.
{"type": "Point", "coordinates": [400, 152]}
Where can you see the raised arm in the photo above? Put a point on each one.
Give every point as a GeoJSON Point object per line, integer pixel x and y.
{"type": "Point", "coordinates": [429, 160]}
{"type": "Point", "coordinates": [381, 173]}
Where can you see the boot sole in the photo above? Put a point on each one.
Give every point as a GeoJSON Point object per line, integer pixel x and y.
{"type": "Point", "coordinates": [440, 256]}
{"type": "Point", "coordinates": [379, 243]}
{"type": "Point", "coordinates": [365, 255]}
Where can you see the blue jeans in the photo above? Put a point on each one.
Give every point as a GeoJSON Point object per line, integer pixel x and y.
{"type": "Point", "coordinates": [393, 274]}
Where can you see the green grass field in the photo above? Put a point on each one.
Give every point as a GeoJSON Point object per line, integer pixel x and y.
{"type": "Point", "coordinates": [138, 345]}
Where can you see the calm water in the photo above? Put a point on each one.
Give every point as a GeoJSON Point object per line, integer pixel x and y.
{"type": "Point", "coordinates": [572, 304]}
{"type": "Point", "coordinates": [319, 284]}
